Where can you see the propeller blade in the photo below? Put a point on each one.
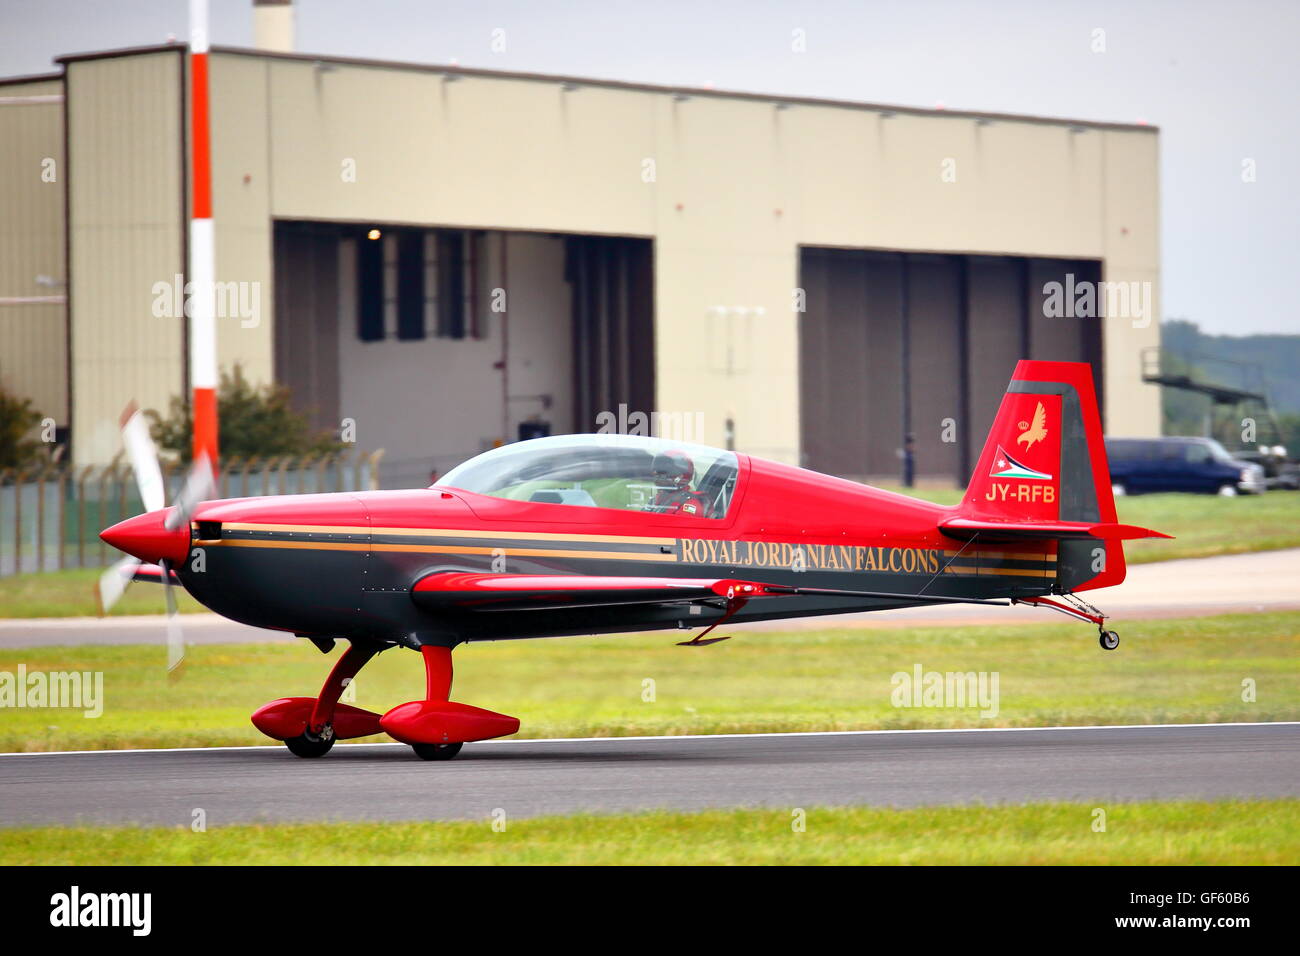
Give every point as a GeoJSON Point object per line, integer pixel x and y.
{"type": "Point", "coordinates": [143, 455]}
{"type": "Point", "coordinates": [175, 637]}
{"type": "Point", "coordinates": [199, 485]}
{"type": "Point", "coordinates": [112, 584]}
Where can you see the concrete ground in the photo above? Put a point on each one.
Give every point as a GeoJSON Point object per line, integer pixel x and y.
{"type": "Point", "coordinates": [534, 777]}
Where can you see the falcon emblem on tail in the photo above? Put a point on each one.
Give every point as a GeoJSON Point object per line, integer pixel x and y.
{"type": "Point", "coordinates": [1036, 431]}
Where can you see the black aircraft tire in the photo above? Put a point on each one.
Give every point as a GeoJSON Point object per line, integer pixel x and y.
{"type": "Point", "coordinates": [309, 746]}
{"type": "Point", "coordinates": [436, 751]}
{"type": "Point", "coordinates": [1109, 640]}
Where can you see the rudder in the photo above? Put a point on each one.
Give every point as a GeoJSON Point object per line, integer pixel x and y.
{"type": "Point", "coordinates": [1045, 461]}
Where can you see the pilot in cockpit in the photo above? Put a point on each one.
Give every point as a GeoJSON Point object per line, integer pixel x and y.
{"type": "Point", "coordinates": [673, 472]}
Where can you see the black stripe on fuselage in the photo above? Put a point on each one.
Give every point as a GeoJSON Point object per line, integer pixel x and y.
{"type": "Point", "coordinates": [339, 582]}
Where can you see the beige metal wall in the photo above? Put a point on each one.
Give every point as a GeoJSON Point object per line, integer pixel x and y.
{"type": "Point", "coordinates": [729, 188]}
{"type": "Point", "coordinates": [33, 337]}
{"type": "Point", "coordinates": [1131, 248]}
{"type": "Point", "coordinates": [241, 190]}
{"type": "Point", "coordinates": [126, 234]}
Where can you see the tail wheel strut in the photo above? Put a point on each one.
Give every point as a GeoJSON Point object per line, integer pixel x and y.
{"type": "Point", "coordinates": [1109, 640]}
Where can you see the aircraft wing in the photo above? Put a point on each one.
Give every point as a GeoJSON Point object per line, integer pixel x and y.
{"type": "Point", "coordinates": [478, 591]}
{"type": "Point", "coordinates": [474, 591]}
{"type": "Point", "coordinates": [152, 572]}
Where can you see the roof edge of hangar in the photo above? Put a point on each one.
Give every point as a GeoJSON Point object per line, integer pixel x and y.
{"type": "Point", "coordinates": [31, 78]}
{"type": "Point", "coordinates": [619, 85]}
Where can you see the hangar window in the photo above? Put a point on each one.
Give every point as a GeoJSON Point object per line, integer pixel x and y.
{"type": "Point", "coordinates": [412, 283]}
{"type": "Point", "coordinates": [409, 278]}
{"type": "Point", "coordinates": [370, 289]}
{"type": "Point", "coordinates": [606, 471]}
{"type": "Point", "coordinates": [451, 284]}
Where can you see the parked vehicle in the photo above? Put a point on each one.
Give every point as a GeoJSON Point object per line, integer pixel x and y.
{"type": "Point", "coordinates": [1280, 472]}
{"type": "Point", "coordinates": [1140, 465]}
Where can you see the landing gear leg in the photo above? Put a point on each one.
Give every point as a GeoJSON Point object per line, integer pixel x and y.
{"type": "Point", "coordinates": [310, 725]}
{"type": "Point", "coordinates": [437, 687]}
{"type": "Point", "coordinates": [318, 737]}
{"type": "Point", "coordinates": [437, 727]}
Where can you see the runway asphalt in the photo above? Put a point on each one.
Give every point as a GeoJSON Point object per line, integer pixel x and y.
{"type": "Point", "coordinates": [1197, 587]}
{"type": "Point", "coordinates": [527, 778]}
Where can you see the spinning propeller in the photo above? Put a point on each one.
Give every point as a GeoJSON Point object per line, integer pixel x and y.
{"type": "Point", "coordinates": [157, 535]}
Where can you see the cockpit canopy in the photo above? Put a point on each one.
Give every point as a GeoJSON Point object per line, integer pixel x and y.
{"type": "Point", "coordinates": [627, 472]}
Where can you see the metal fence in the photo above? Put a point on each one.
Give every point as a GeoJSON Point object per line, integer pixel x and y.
{"type": "Point", "coordinates": [51, 514]}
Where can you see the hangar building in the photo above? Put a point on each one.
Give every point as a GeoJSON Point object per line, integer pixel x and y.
{"type": "Point", "coordinates": [443, 255]}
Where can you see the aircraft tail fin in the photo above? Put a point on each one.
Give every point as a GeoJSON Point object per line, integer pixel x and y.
{"type": "Point", "coordinates": [1043, 475]}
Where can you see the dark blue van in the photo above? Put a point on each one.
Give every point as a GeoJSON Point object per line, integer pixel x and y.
{"type": "Point", "coordinates": [1139, 465]}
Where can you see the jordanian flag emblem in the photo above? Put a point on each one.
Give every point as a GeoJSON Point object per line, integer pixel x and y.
{"type": "Point", "coordinates": [1004, 466]}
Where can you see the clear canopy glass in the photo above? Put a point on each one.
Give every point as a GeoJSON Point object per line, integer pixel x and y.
{"type": "Point", "coordinates": [627, 472]}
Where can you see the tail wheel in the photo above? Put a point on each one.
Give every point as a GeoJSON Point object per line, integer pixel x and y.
{"type": "Point", "coordinates": [308, 744]}
{"type": "Point", "coordinates": [1109, 640]}
{"type": "Point", "coordinates": [436, 751]}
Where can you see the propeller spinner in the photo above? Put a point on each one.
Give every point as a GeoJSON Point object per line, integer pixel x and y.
{"type": "Point", "coordinates": [159, 536]}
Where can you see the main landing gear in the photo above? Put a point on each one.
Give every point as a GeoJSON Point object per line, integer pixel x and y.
{"type": "Point", "coordinates": [1080, 609]}
{"type": "Point", "coordinates": [436, 727]}
{"type": "Point", "coordinates": [436, 751]}
{"type": "Point", "coordinates": [307, 744]}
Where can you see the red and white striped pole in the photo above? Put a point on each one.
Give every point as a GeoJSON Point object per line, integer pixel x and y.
{"type": "Point", "coordinates": [203, 326]}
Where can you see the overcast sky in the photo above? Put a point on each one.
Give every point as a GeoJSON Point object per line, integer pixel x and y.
{"type": "Point", "coordinates": [1219, 79]}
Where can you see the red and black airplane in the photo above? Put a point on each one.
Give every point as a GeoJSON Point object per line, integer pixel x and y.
{"type": "Point", "coordinates": [594, 534]}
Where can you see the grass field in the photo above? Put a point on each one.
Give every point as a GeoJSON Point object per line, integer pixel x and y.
{"type": "Point", "coordinates": [71, 593]}
{"type": "Point", "coordinates": [1219, 833]}
{"type": "Point", "coordinates": [1166, 671]}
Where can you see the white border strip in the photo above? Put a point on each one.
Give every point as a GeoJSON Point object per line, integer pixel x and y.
{"type": "Point", "coordinates": [583, 740]}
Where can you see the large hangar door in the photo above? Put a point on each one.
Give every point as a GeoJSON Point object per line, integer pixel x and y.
{"type": "Point", "coordinates": [306, 355]}
{"type": "Point", "coordinates": [883, 365]}
{"type": "Point", "coordinates": [1056, 338]}
{"type": "Point", "coordinates": [850, 378]}
{"type": "Point", "coordinates": [997, 337]}
{"type": "Point", "coordinates": [613, 326]}
{"type": "Point", "coordinates": [893, 344]}
{"type": "Point", "coordinates": [833, 346]}
{"type": "Point", "coordinates": [934, 364]}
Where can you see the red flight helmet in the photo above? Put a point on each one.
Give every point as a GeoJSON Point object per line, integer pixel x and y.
{"type": "Point", "coordinates": [673, 469]}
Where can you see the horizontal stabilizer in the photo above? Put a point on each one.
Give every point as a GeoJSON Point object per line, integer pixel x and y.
{"type": "Point", "coordinates": [990, 529]}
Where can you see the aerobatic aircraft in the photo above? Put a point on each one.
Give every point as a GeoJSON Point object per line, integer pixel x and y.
{"type": "Point", "coordinates": [597, 534]}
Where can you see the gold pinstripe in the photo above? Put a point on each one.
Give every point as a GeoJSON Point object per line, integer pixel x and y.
{"type": "Point", "coordinates": [445, 533]}
{"type": "Point", "coordinates": [998, 555]}
{"type": "Point", "coordinates": [441, 549]}
{"type": "Point", "coordinates": [542, 536]}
